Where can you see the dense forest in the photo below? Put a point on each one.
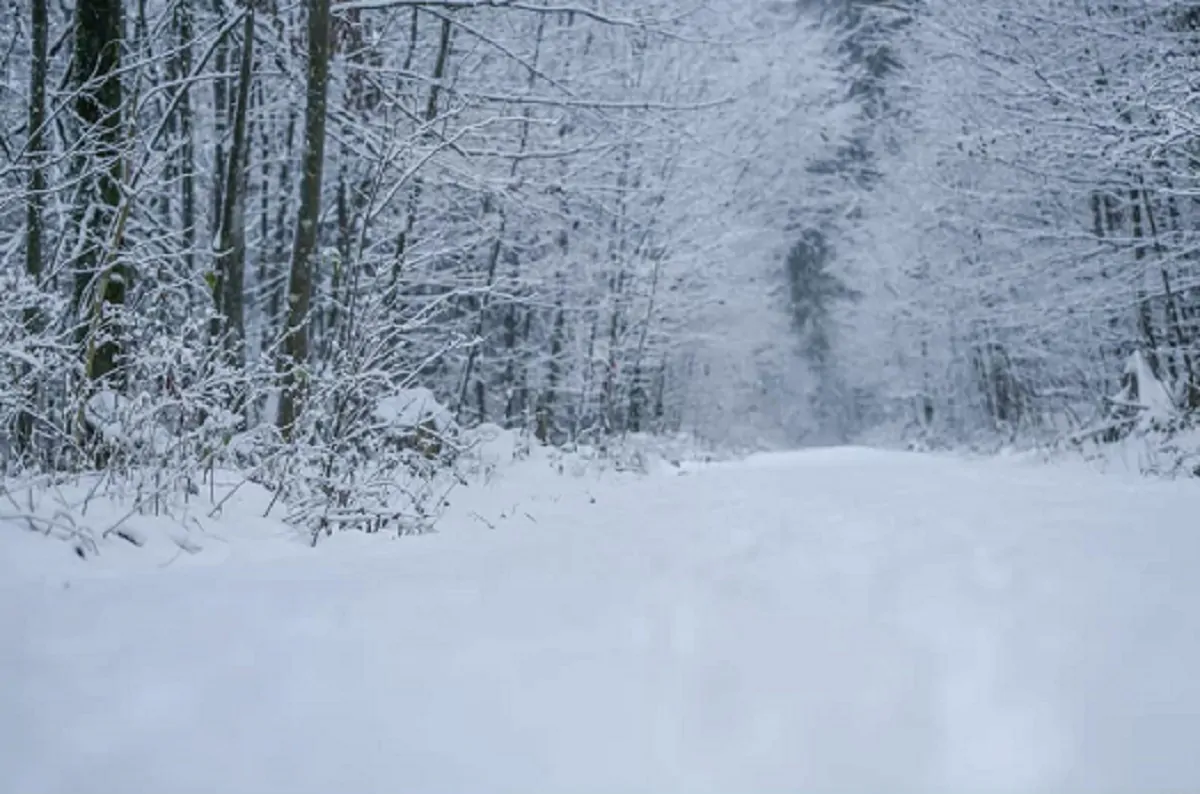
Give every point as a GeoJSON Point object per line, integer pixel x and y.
{"type": "Point", "coordinates": [232, 234]}
{"type": "Point", "coordinates": [1027, 258]}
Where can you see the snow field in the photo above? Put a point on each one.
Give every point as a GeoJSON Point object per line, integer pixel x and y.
{"type": "Point", "coordinates": [838, 620]}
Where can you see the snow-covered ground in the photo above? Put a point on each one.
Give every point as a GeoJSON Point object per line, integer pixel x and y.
{"type": "Point", "coordinates": [838, 620]}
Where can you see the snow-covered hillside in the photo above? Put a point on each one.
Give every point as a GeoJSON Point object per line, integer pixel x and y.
{"type": "Point", "coordinates": [840, 620]}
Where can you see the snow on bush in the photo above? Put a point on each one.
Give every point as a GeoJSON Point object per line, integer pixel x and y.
{"type": "Point", "coordinates": [413, 418]}
{"type": "Point", "coordinates": [1142, 427]}
{"type": "Point", "coordinates": [411, 408]}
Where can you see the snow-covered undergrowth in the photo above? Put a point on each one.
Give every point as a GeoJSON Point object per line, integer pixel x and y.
{"type": "Point", "coordinates": [1169, 450]}
{"type": "Point", "coordinates": [1148, 427]}
{"type": "Point", "coordinates": [225, 510]}
{"type": "Point", "coordinates": [835, 620]}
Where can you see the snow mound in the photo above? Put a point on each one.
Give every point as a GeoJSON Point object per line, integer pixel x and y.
{"type": "Point", "coordinates": [1143, 430]}
{"type": "Point", "coordinates": [412, 408]}
{"type": "Point", "coordinates": [1143, 391]}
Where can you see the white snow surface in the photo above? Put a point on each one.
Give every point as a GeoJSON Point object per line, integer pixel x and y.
{"type": "Point", "coordinates": [408, 408]}
{"type": "Point", "coordinates": [841, 620]}
{"type": "Point", "coordinates": [1151, 395]}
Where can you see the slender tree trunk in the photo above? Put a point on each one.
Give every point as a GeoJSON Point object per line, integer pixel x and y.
{"type": "Point", "coordinates": [1145, 316]}
{"type": "Point", "coordinates": [266, 127]}
{"type": "Point", "coordinates": [295, 341]}
{"type": "Point", "coordinates": [220, 113]}
{"type": "Point", "coordinates": [404, 242]}
{"type": "Point", "coordinates": [439, 72]}
{"type": "Point", "coordinates": [480, 322]}
{"type": "Point", "coordinates": [345, 235]}
{"type": "Point", "coordinates": [229, 326]}
{"type": "Point", "coordinates": [515, 393]}
{"type": "Point", "coordinates": [100, 280]}
{"type": "Point", "coordinates": [547, 428]}
{"type": "Point", "coordinates": [187, 149]}
{"type": "Point", "coordinates": [638, 394]}
{"type": "Point", "coordinates": [39, 32]}
{"type": "Point", "coordinates": [1174, 330]}
{"type": "Point", "coordinates": [660, 395]}
{"type": "Point", "coordinates": [359, 101]}
{"type": "Point", "coordinates": [1185, 321]}
{"type": "Point", "coordinates": [586, 410]}
{"type": "Point", "coordinates": [279, 257]}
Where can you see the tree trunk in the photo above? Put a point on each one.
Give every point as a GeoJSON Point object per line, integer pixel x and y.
{"type": "Point", "coordinates": [229, 326]}
{"type": "Point", "coordinates": [1145, 310]}
{"type": "Point", "coordinates": [516, 316]}
{"type": "Point", "coordinates": [187, 148]}
{"type": "Point", "coordinates": [404, 242]}
{"type": "Point", "coordinates": [1174, 331]}
{"type": "Point", "coordinates": [265, 130]}
{"type": "Point", "coordinates": [549, 400]}
{"type": "Point", "coordinates": [295, 340]}
{"type": "Point", "coordinates": [360, 100]}
{"type": "Point", "coordinates": [100, 280]}
{"type": "Point", "coordinates": [279, 257]}
{"type": "Point", "coordinates": [33, 200]}
{"type": "Point", "coordinates": [220, 112]}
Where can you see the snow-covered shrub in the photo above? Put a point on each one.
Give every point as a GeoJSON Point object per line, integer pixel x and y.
{"type": "Point", "coordinates": [1143, 425]}
{"type": "Point", "coordinates": [366, 453]}
{"type": "Point", "coordinates": [141, 442]}
{"type": "Point", "coordinates": [484, 449]}
{"type": "Point", "coordinates": [637, 453]}
{"type": "Point", "coordinates": [414, 419]}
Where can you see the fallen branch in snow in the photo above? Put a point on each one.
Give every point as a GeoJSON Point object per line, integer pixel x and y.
{"type": "Point", "coordinates": [126, 534]}
{"type": "Point", "coordinates": [85, 543]}
{"type": "Point", "coordinates": [482, 520]}
{"type": "Point", "coordinates": [1116, 402]}
{"type": "Point", "coordinates": [1103, 430]}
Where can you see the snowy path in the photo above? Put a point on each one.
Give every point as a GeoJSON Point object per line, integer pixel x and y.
{"type": "Point", "coordinates": [843, 620]}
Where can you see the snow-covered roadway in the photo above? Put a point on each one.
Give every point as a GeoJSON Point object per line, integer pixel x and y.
{"type": "Point", "coordinates": [827, 621]}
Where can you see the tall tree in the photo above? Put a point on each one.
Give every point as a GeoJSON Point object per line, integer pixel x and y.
{"type": "Point", "coordinates": [229, 280]}
{"type": "Point", "coordinates": [36, 150]}
{"type": "Point", "coordinates": [101, 278]}
{"type": "Point", "coordinates": [299, 294]}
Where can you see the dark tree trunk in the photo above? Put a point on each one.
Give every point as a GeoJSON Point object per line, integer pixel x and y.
{"type": "Point", "coordinates": [39, 32]}
{"type": "Point", "coordinates": [1145, 310]}
{"type": "Point", "coordinates": [404, 241]}
{"type": "Point", "coordinates": [229, 326]}
{"type": "Point", "coordinates": [295, 339]}
{"type": "Point", "coordinates": [100, 279]}
{"type": "Point", "coordinates": [187, 148]}
{"type": "Point", "coordinates": [549, 402]}
{"type": "Point", "coordinates": [220, 112]}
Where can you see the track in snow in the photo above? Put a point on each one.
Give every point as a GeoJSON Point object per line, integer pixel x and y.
{"type": "Point", "coordinates": [844, 620]}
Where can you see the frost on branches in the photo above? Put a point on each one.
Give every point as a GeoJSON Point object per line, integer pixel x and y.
{"type": "Point", "coordinates": [234, 236]}
{"type": "Point", "coordinates": [1033, 229]}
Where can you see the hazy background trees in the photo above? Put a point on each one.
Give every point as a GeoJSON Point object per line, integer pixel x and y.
{"type": "Point", "coordinates": [1029, 223]}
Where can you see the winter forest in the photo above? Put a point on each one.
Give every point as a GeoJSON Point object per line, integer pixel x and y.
{"type": "Point", "coordinates": [236, 234]}
{"type": "Point", "coordinates": [599, 396]}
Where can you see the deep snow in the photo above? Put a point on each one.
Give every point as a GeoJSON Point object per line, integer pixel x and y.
{"type": "Point", "coordinates": [838, 620]}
